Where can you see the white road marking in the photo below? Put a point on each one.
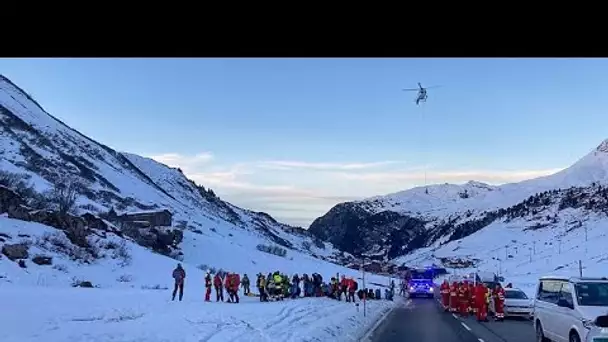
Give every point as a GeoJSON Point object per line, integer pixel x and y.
{"type": "Point", "coordinates": [454, 315]}
{"type": "Point", "coordinates": [481, 340]}
{"type": "Point", "coordinates": [465, 326]}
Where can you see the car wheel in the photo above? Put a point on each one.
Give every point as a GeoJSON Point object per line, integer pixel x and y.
{"type": "Point", "coordinates": [574, 337]}
{"type": "Point", "coordinates": [540, 336]}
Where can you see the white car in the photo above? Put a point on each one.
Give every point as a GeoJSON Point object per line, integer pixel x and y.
{"type": "Point", "coordinates": [568, 309]}
{"type": "Point", "coordinates": [517, 303]}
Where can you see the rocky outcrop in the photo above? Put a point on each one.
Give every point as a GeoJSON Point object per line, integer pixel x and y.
{"type": "Point", "coordinates": [16, 251]}
{"type": "Point", "coordinates": [42, 260]}
{"type": "Point", "coordinates": [75, 227]}
{"type": "Point", "coordinates": [9, 200]}
{"type": "Point", "coordinates": [355, 230]}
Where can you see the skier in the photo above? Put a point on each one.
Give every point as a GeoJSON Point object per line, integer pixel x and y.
{"type": "Point", "coordinates": [179, 274]}
{"type": "Point", "coordinates": [219, 288]}
{"type": "Point", "coordinates": [245, 285]}
{"type": "Point", "coordinates": [207, 286]}
{"type": "Point", "coordinates": [499, 302]}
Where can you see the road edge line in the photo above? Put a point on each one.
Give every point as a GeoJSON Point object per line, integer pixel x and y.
{"type": "Point", "coordinates": [368, 335]}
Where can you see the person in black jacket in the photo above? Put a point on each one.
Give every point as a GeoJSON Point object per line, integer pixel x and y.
{"type": "Point", "coordinates": [178, 275]}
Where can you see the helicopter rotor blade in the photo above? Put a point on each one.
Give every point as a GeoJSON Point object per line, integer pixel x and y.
{"type": "Point", "coordinates": [410, 89]}
{"type": "Point", "coordinates": [435, 86]}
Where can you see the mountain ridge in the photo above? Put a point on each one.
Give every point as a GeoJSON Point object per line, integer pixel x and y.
{"type": "Point", "coordinates": [45, 151]}
{"type": "Point", "coordinates": [407, 220]}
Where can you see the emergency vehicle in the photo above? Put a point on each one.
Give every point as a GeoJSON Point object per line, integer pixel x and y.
{"type": "Point", "coordinates": [421, 283]}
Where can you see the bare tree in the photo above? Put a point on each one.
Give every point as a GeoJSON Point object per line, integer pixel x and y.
{"type": "Point", "coordinates": [65, 192]}
{"type": "Point", "coordinates": [8, 179]}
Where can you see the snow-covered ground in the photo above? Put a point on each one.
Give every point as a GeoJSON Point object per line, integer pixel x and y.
{"type": "Point", "coordinates": [524, 256]}
{"type": "Point", "coordinates": [131, 302]}
{"type": "Point", "coordinates": [75, 315]}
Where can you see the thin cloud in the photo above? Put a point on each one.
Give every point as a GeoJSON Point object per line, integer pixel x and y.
{"type": "Point", "coordinates": [274, 187]}
{"type": "Point", "coordinates": [178, 160]}
{"type": "Point", "coordinates": [289, 165]}
{"type": "Point", "coordinates": [488, 176]}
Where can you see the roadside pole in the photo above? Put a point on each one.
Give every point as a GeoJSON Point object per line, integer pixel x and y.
{"type": "Point", "coordinates": [365, 294]}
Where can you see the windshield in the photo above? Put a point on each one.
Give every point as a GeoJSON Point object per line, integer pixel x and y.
{"type": "Point", "coordinates": [515, 295]}
{"type": "Point", "coordinates": [592, 294]}
{"type": "Point", "coordinates": [419, 274]}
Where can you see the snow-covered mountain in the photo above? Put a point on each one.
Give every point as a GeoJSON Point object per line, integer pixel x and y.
{"type": "Point", "coordinates": [397, 224]}
{"type": "Point", "coordinates": [101, 273]}
{"type": "Point", "coordinates": [39, 147]}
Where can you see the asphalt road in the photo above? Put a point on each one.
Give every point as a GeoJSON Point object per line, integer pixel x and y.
{"type": "Point", "coordinates": [509, 330]}
{"type": "Point", "coordinates": [423, 320]}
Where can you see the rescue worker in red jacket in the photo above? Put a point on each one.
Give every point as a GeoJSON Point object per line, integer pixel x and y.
{"type": "Point", "coordinates": [343, 288]}
{"type": "Point", "coordinates": [352, 288]}
{"type": "Point", "coordinates": [229, 286]}
{"type": "Point", "coordinates": [472, 295]}
{"type": "Point", "coordinates": [207, 286]}
{"type": "Point", "coordinates": [499, 302]}
{"type": "Point", "coordinates": [179, 275]}
{"type": "Point", "coordinates": [219, 287]}
{"type": "Point", "coordinates": [445, 294]}
{"type": "Point", "coordinates": [481, 302]}
{"type": "Point", "coordinates": [232, 284]}
{"type": "Point", "coordinates": [454, 297]}
{"type": "Point", "coordinates": [463, 299]}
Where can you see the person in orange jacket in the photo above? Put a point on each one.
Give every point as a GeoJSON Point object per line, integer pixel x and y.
{"type": "Point", "coordinates": [472, 304]}
{"type": "Point", "coordinates": [463, 298]}
{"type": "Point", "coordinates": [207, 286]}
{"type": "Point", "coordinates": [454, 297]}
{"type": "Point", "coordinates": [219, 287]}
{"type": "Point", "coordinates": [445, 294]}
{"type": "Point", "coordinates": [499, 302]}
{"type": "Point", "coordinates": [481, 302]}
{"type": "Point", "coordinates": [343, 288]}
{"type": "Point", "coordinates": [352, 288]}
{"type": "Point", "coordinates": [232, 284]}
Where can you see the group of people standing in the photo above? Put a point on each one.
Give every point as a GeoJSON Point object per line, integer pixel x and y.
{"type": "Point", "coordinates": [278, 286]}
{"type": "Point", "coordinates": [469, 299]}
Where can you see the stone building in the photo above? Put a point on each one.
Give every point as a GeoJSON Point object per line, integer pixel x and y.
{"type": "Point", "coordinates": [145, 219]}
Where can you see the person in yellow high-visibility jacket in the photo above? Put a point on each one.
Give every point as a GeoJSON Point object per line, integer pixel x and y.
{"type": "Point", "coordinates": [278, 283]}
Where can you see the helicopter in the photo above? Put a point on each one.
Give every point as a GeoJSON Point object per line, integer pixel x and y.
{"type": "Point", "coordinates": [422, 94]}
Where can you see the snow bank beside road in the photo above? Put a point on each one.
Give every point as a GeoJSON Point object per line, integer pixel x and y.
{"type": "Point", "coordinates": [103, 315]}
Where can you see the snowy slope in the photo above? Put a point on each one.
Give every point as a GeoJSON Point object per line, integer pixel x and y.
{"type": "Point", "coordinates": [522, 256]}
{"type": "Point", "coordinates": [399, 223]}
{"type": "Point", "coordinates": [131, 301]}
{"type": "Point", "coordinates": [443, 200]}
{"type": "Point", "coordinates": [36, 145]}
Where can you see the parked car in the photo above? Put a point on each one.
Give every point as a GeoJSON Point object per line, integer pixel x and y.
{"type": "Point", "coordinates": [517, 303]}
{"type": "Point", "coordinates": [571, 309]}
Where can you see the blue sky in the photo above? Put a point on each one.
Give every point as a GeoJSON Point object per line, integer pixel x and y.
{"type": "Point", "coordinates": [293, 137]}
